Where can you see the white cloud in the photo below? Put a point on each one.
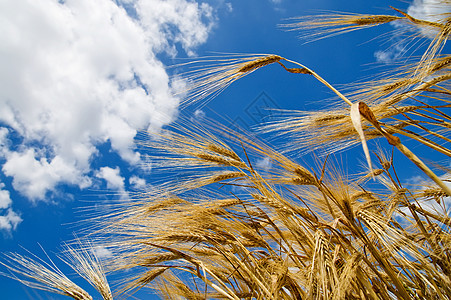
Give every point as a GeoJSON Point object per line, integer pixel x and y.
{"type": "Point", "coordinates": [383, 56]}
{"type": "Point", "coordinates": [184, 16]}
{"type": "Point", "coordinates": [10, 221]}
{"type": "Point", "coordinates": [264, 164]}
{"type": "Point", "coordinates": [430, 10]}
{"type": "Point", "coordinates": [198, 115]}
{"type": "Point", "coordinates": [229, 6]}
{"type": "Point", "coordinates": [33, 176]}
{"type": "Point", "coordinates": [137, 183]}
{"type": "Point", "coordinates": [5, 200]}
{"type": "Point", "coordinates": [112, 177]}
{"type": "Point", "coordinates": [78, 73]}
{"type": "Point", "coordinates": [102, 253]}
{"type": "Point", "coordinates": [390, 55]}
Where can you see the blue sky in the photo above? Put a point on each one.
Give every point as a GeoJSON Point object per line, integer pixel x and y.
{"type": "Point", "coordinates": [80, 78]}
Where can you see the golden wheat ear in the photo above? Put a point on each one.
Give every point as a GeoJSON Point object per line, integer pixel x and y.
{"type": "Point", "coordinates": [41, 275]}
{"type": "Point", "coordinates": [327, 25]}
{"type": "Point", "coordinates": [211, 75]}
{"type": "Point", "coordinates": [321, 26]}
{"type": "Point", "coordinates": [84, 261]}
{"type": "Point", "coordinates": [48, 277]}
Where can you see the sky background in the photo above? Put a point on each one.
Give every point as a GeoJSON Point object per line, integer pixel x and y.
{"type": "Point", "coordinates": [80, 78]}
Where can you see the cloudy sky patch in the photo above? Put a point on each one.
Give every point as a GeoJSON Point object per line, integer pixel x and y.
{"type": "Point", "coordinates": [77, 74]}
{"type": "Point", "coordinates": [430, 10]}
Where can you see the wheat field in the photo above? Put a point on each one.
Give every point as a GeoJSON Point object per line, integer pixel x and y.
{"type": "Point", "coordinates": [229, 229]}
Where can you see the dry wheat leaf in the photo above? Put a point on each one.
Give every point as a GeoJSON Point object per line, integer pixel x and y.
{"type": "Point", "coordinates": [356, 122]}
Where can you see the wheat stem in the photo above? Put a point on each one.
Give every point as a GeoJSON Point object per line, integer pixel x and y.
{"type": "Point", "coordinates": [322, 80]}
{"type": "Point", "coordinates": [419, 163]}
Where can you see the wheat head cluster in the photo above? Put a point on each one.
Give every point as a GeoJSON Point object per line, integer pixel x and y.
{"type": "Point", "coordinates": [228, 228]}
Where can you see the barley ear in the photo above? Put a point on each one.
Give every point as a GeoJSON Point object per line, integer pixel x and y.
{"type": "Point", "coordinates": [258, 63]}
{"type": "Point", "coordinates": [395, 141]}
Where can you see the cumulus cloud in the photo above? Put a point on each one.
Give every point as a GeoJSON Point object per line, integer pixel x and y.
{"type": "Point", "coordinates": [264, 164]}
{"type": "Point", "coordinates": [8, 218]}
{"type": "Point", "coordinates": [390, 55]}
{"type": "Point", "coordinates": [112, 177]}
{"type": "Point", "coordinates": [229, 6]}
{"type": "Point", "coordinates": [79, 73]}
{"type": "Point", "coordinates": [430, 10]}
{"type": "Point", "coordinates": [102, 253]}
{"type": "Point", "coordinates": [198, 116]}
{"type": "Point", "coordinates": [181, 22]}
{"type": "Point", "coordinates": [5, 200]}
{"type": "Point", "coordinates": [34, 176]}
{"type": "Point", "coordinates": [9, 221]}
{"type": "Point", "coordinates": [137, 183]}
